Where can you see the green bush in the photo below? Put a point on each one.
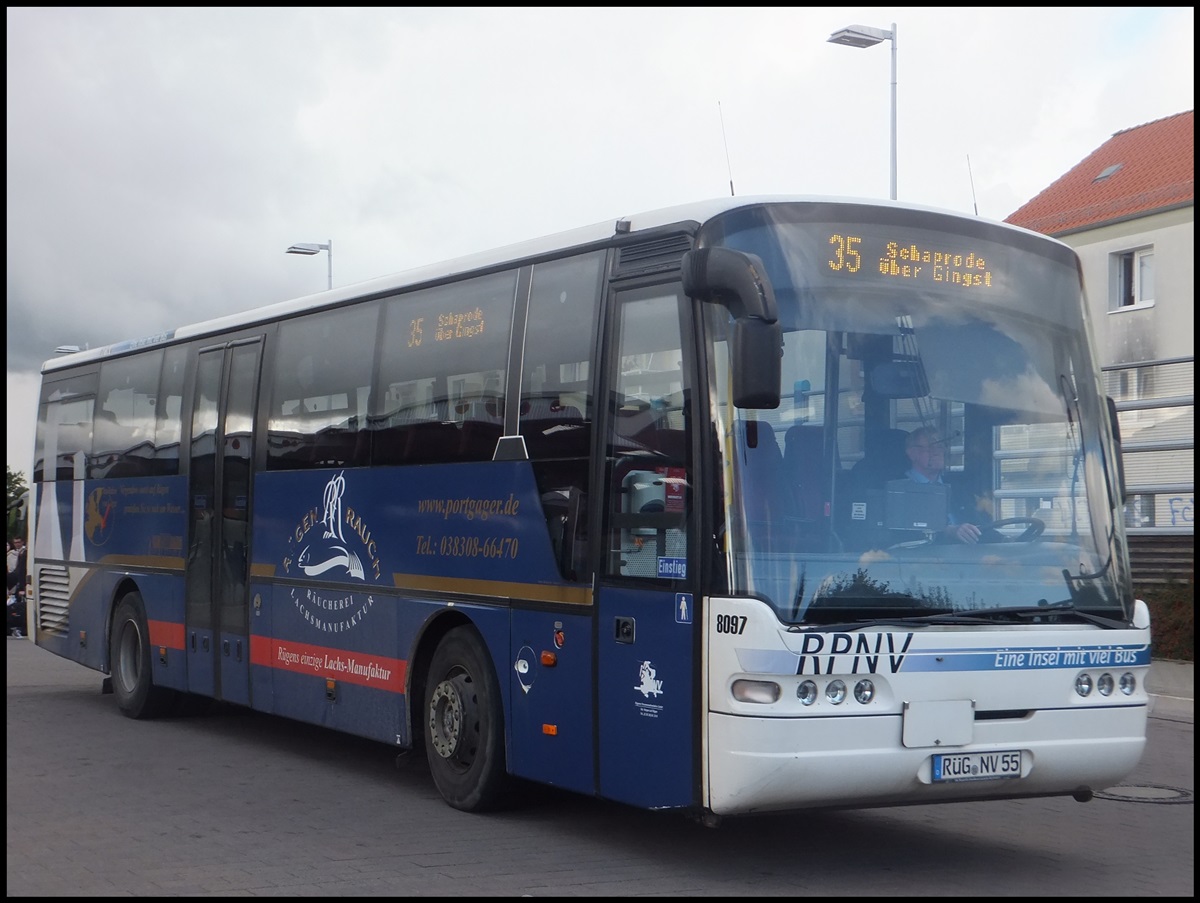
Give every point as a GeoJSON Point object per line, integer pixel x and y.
{"type": "Point", "coordinates": [1172, 619]}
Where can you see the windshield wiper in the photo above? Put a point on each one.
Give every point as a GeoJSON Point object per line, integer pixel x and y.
{"type": "Point", "coordinates": [973, 616]}
{"type": "Point", "coordinates": [946, 617]}
{"type": "Point", "coordinates": [1055, 609]}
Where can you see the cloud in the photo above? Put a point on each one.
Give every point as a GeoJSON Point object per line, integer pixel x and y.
{"type": "Point", "coordinates": [161, 160]}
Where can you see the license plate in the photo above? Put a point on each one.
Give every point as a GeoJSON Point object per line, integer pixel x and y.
{"type": "Point", "coordinates": [977, 766]}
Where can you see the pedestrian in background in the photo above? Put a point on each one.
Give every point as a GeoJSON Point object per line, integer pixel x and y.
{"type": "Point", "coordinates": [15, 603]}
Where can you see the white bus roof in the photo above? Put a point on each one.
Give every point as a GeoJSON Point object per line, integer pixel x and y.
{"type": "Point", "coordinates": [698, 211]}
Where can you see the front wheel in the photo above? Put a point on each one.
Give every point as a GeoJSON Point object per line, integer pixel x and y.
{"type": "Point", "coordinates": [129, 663]}
{"type": "Point", "coordinates": [464, 724]}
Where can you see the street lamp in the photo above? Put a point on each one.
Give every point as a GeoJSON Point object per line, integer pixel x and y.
{"type": "Point", "coordinates": [865, 36]}
{"type": "Point", "coordinates": [308, 248]}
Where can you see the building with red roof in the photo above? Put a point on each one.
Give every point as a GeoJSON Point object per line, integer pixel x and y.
{"type": "Point", "coordinates": [1128, 210]}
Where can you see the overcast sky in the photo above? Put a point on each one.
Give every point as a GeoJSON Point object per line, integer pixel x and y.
{"type": "Point", "coordinates": [161, 161]}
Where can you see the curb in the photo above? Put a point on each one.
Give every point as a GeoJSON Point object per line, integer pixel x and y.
{"type": "Point", "coordinates": [1171, 686]}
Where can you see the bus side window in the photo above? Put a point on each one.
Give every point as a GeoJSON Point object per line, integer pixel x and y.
{"type": "Point", "coordinates": [64, 433]}
{"type": "Point", "coordinates": [320, 391]}
{"type": "Point", "coordinates": [556, 408]}
{"type": "Point", "coordinates": [647, 443]}
{"type": "Point", "coordinates": [168, 409]}
{"type": "Point", "coordinates": [123, 437]}
{"type": "Point", "coordinates": [442, 363]}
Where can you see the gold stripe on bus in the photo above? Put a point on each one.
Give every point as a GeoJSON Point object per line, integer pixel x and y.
{"type": "Point", "coordinates": [532, 592]}
{"type": "Point", "coordinates": [529, 592]}
{"type": "Point", "coordinates": [163, 562]}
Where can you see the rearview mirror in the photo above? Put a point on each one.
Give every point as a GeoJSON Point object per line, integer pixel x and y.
{"type": "Point", "coordinates": [902, 378]}
{"type": "Point", "coordinates": [758, 352]}
{"type": "Point", "coordinates": [738, 282]}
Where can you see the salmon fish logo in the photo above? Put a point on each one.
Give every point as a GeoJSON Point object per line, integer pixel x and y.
{"type": "Point", "coordinates": [330, 546]}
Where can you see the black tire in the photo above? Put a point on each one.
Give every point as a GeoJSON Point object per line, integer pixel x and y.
{"type": "Point", "coordinates": [129, 663]}
{"type": "Point", "coordinates": [464, 724]}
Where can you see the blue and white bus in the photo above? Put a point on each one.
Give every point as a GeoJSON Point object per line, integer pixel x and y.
{"type": "Point", "coordinates": [628, 511]}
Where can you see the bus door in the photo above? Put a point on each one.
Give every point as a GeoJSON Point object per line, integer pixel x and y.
{"type": "Point", "coordinates": [221, 462]}
{"type": "Point", "coordinates": [647, 686]}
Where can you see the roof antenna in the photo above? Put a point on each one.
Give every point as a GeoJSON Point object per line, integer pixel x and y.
{"type": "Point", "coordinates": [972, 178]}
{"type": "Point", "coordinates": [726, 140]}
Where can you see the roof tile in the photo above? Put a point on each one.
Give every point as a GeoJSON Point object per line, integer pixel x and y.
{"type": "Point", "coordinates": [1154, 170]}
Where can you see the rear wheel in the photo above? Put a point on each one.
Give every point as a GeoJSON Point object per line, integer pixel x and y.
{"type": "Point", "coordinates": [464, 724]}
{"type": "Point", "coordinates": [129, 663]}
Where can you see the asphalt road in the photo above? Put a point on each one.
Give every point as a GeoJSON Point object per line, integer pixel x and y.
{"type": "Point", "coordinates": [237, 803]}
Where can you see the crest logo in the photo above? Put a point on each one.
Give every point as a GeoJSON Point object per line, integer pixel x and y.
{"type": "Point", "coordinates": [100, 515]}
{"type": "Point", "coordinates": [332, 544]}
{"type": "Point", "coordinates": [648, 682]}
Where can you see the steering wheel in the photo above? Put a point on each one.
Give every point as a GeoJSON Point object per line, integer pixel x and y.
{"type": "Point", "coordinates": [1033, 530]}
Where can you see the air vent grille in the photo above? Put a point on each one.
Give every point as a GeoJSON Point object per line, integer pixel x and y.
{"type": "Point", "coordinates": [54, 599]}
{"type": "Point", "coordinates": [653, 254]}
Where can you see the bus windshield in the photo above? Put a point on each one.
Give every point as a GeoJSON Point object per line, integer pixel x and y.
{"type": "Point", "coordinates": [941, 447]}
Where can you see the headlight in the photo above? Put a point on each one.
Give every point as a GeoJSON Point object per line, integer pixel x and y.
{"type": "Point", "coordinates": [761, 691]}
{"type": "Point", "coordinates": [1128, 683]}
{"type": "Point", "coordinates": [807, 692]}
{"type": "Point", "coordinates": [836, 692]}
{"type": "Point", "coordinates": [1083, 684]}
{"type": "Point", "coordinates": [864, 691]}
{"type": "Point", "coordinates": [1105, 684]}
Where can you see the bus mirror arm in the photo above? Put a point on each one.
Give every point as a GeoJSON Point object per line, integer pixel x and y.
{"type": "Point", "coordinates": [733, 279]}
{"type": "Point", "coordinates": [737, 281]}
{"type": "Point", "coordinates": [1122, 493]}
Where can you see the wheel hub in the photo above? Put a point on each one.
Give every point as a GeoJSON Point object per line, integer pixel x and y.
{"type": "Point", "coordinates": [446, 717]}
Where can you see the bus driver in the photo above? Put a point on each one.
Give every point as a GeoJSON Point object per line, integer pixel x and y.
{"type": "Point", "coordinates": [926, 451]}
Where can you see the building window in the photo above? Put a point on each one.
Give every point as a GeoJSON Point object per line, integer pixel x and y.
{"type": "Point", "coordinates": [1139, 510]}
{"type": "Point", "coordinates": [1134, 282]}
